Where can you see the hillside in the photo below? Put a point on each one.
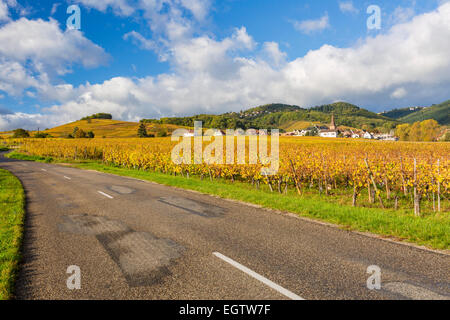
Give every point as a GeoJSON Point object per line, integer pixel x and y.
{"type": "Point", "coordinates": [439, 112]}
{"type": "Point", "coordinates": [107, 128]}
{"type": "Point", "coordinates": [399, 113]}
{"type": "Point", "coordinates": [286, 117]}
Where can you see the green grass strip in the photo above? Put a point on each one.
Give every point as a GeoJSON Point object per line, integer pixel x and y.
{"type": "Point", "coordinates": [12, 212]}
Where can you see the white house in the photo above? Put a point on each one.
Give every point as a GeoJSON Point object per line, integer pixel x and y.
{"type": "Point", "coordinates": [386, 137]}
{"type": "Point", "coordinates": [328, 134]}
{"type": "Point", "coordinates": [367, 135]}
{"type": "Point", "coordinates": [190, 133]}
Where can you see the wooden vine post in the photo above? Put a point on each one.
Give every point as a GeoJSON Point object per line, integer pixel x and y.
{"type": "Point", "coordinates": [416, 194]}
{"type": "Point", "coordinates": [374, 184]}
{"type": "Point", "coordinates": [439, 186]}
{"type": "Point", "coordinates": [294, 176]}
{"type": "Point", "coordinates": [403, 177]}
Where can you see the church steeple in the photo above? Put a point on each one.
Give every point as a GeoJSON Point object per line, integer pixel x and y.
{"type": "Point", "coordinates": [333, 124]}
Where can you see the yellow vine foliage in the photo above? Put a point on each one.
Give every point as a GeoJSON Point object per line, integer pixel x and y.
{"type": "Point", "coordinates": [316, 162]}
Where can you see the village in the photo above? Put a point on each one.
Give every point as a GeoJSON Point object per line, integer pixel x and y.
{"type": "Point", "coordinates": [332, 131]}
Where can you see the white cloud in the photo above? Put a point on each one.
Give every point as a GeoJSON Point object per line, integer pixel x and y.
{"type": "Point", "coordinates": [32, 52]}
{"type": "Point", "coordinates": [199, 8]}
{"type": "Point", "coordinates": [275, 55]}
{"type": "Point", "coordinates": [409, 62]}
{"type": "Point", "coordinates": [347, 7]}
{"type": "Point", "coordinates": [401, 15]}
{"type": "Point", "coordinates": [399, 93]}
{"type": "Point", "coordinates": [140, 40]}
{"type": "Point", "coordinates": [44, 43]}
{"type": "Point", "coordinates": [310, 26]}
{"type": "Point", "coordinates": [120, 7]}
{"type": "Point", "coordinates": [14, 78]}
{"type": "Point", "coordinates": [4, 12]}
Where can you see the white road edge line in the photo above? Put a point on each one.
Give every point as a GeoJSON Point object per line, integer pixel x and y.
{"type": "Point", "coordinates": [43, 170]}
{"type": "Point", "coordinates": [259, 277]}
{"type": "Point", "coordinates": [67, 178]}
{"type": "Point", "coordinates": [106, 195]}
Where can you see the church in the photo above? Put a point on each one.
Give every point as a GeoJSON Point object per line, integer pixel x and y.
{"type": "Point", "coordinates": [332, 132]}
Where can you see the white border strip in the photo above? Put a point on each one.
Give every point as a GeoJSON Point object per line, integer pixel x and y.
{"type": "Point", "coordinates": [106, 195]}
{"type": "Point", "coordinates": [259, 277]}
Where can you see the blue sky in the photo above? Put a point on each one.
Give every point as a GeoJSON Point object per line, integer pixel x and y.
{"type": "Point", "coordinates": [150, 58]}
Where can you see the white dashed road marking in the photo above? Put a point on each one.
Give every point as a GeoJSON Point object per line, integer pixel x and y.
{"type": "Point", "coordinates": [106, 195]}
{"type": "Point", "coordinates": [43, 170]}
{"type": "Point", "coordinates": [259, 277]}
{"type": "Point", "coordinates": [67, 178]}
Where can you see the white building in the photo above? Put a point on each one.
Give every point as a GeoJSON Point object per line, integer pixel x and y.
{"type": "Point", "coordinates": [367, 135]}
{"type": "Point", "coordinates": [190, 133]}
{"type": "Point", "coordinates": [386, 137]}
{"type": "Point", "coordinates": [332, 132]}
{"type": "Point", "coordinates": [328, 134]}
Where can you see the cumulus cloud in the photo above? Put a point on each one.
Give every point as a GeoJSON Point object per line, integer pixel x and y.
{"type": "Point", "coordinates": [310, 26]}
{"type": "Point", "coordinates": [409, 62]}
{"type": "Point", "coordinates": [275, 55]}
{"type": "Point", "coordinates": [32, 52]}
{"type": "Point", "coordinates": [44, 43]}
{"type": "Point", "coordinates": [347, 7]}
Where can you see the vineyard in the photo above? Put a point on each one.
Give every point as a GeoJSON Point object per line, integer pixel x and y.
{"type": "Point", "coordinates": [384, 174]}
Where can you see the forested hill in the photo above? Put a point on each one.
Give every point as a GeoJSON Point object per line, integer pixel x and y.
{"type": "Point", "coordinates": [284, 116]}
{"type": "Point", "coordinates": [439, 112]}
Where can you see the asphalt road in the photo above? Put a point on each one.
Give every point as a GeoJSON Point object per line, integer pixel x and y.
{"type": "Point", "coordinates": [138, 240]}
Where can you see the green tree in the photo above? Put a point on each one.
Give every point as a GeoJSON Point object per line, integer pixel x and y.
{"type": "Point", "coordinates": [20, 133]}
{"type": "Point", "coordinates": [80, 134]}
{"type": "Point", "coordinates": [161, 133]}
{"type": "Point", "coordinates": [42, 135]}
{"type": "Point", "coordinates": [427, 130]}
{"type": "Point", "coordinates": [402, 131]}
{"type": "Point", "coordinates": [446, 136]}
{"type": "Point", "coordinates": [90, 135]}
{"type": "Point", "coordinates": [430, 130]}
{"type": "Point", "coordinates": [142, 131]}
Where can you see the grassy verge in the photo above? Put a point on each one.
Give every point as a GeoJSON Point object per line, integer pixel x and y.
{"type": "Point", "coordinates": [432, 231]}
{"type": "Point", "coordinates": [20, 156]}
{"type": "Point", "coordinates": [12, 211]}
